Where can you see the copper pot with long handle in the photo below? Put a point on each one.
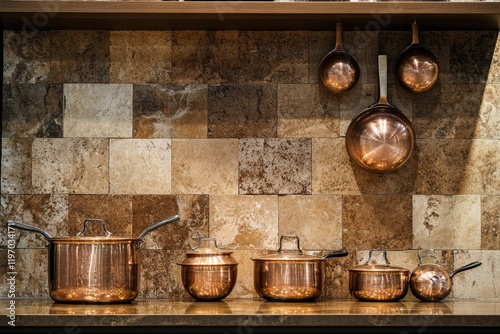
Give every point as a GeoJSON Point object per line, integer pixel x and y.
{"type": "Point", "coordinates": [93, 268]}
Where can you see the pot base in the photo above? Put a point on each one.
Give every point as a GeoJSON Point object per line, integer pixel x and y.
{"type": "Point", "coordinates": [93, 295]}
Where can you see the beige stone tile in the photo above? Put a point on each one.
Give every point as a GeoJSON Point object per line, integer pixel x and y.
{"type": "Point", "coordinates": [204, 56]}
{"type": "Point", "coordinates": [31, 273]}
{"type": "Point", "coordinates": [48, 212]}
{"type": "Point", "coordinates": [182, 234]}
{"type": "Point", "coordinates": [449, 222]}
{"type": "Point", "coordinates": [307, 111]}
{"type": "Point", "coordinates": [489, 118]}
{"type": "Point", "coordinates": [244, 283]}
{"type": "Point", "coordinates": [315, 219]}
{"type": "Point", "coordinates": [480, 282]}
{"type": "Point", "coordinates": [71, 165]}
{"type": "Point", "coordinates": [115, 210]}
{"type": "Point", "coordinates": [494, 71]}
{"type": "Point", "coordinates": [16, 166]}
{"type": "Point", "coordinates": [138, 166]}
{"type": "Point", "coordinates": [275, 166]}
{"type": "Point", "coordinates": [132, 59]}
{"type": "Point", "coordinates": [205, 166]}
{"type": "Point", "coordinates": [490, 222]}
{"type": "Point", "coordinates": [375, 222]}
{"type": "Point", "coordinates": [481, 172]}
{"type": "Point", "coordinates": [170, 111]}
{"type": "Point", "coordinates": [244, 222]}
{"type": "Point", "coordinates": [354, 101]}
{"type": "Point", "coordinates": [97, 110]}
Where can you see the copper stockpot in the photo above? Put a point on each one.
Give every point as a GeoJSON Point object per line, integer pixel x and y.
{"type": "Point", "coordinates": [208, 272]}
{"type": "Point", "coordinates": [378, 282]}
{"type": "Point", "coordinates": [90, 268]}
{"type": "Point", "coordinates": [290, 276]}
{"type": "Point", "coordinates": [431, 281]}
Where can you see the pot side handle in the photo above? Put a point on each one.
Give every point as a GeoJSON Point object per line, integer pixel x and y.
{"type": "Point", "coordinates": [21, 226]}
{"type": "Point", "coordinates": [339, 253]}
{"type": "Point", "coordinates": [466, 267]}
{"type": "Point", "coordinates": [155, 226]}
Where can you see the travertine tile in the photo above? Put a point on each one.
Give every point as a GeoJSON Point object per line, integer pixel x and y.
{"type": "Point", "coordinates": [275, 166]}
{"type": "Point", "coordinates": [334, 173]}
{"type": "Point", "coordinates": [132, 59]}
{"type": "Point", "coordinates": [482, 176]}
{"type": "Point", "coordinates": [307, 111]}
{"type": "Point", "coordinates": [170, 111]}
{"type": "Point", "coordinates": [31, 273]}
{"type": "Point", "coordinates": [115, 210]}
{"type": "Point", "coordinates": [244, 222]}
{"type": "Point", "coordinates": [377, 222]}
{"type": "Point", "coordinates": [97, 110]}
{"type": "Point", "coordinates": [16, 166]}
{"type": "Point", "coordinates": [494, 72]}
{"type": "Point", "coordinates": [471, 53]}
{"type": "Point", "coordinates": [26, 57]}
{"type": "Point", "coordinates": [262, 59]}
{"type": "Point", "coordinates": [488, 122]}
{"type": "Point", "coordinates": [205, 166]}
{"type": "Point", "coordinates": [490, 222]}
{"type": "Point", "coordinates": [48, 212]}
{"type": "Point", "coordinates": [140, 166]}
{"type": "Point", "coordinates": [74, 166]}
{"type": "Point", "coordinates": [449, 222]}
{"type": "Point", "coordinates": [244, 283]}
{"type": "Point", "coordinates": [239, 111]}
{"type": "Point", "coordinates": [480, 282]}
{"type": "Point", "coordinates": [316, 220]}
{"type": "Point", "coordinates": [182, 234]}
{"type": "Point", "coordinates": [354, 101]}
{"type": "Point", "coordinates": [79, 56]}
{"type": "Point", "coordinates": [32, 110]}
{"type": "Point", "coordinates": [336, 273]}
{"type": "Point", "coordinates": [160, 274]}
{"type": "Point", "coordinates": [205, 56]}
{"type": "Point", "coordinates": [448, 111]}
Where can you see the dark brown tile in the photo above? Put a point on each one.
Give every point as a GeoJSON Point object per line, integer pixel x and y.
{"type": "Point", "coordinates": [115, 210]}
{"type": "Point", "coordinates": [205, 56]}
{"type": "Point", "coordinates": [273, 56]}
{"type": "Point", "coordinates": [337, 276]}
{"type": "Point", "coordinates": [448, 111]}
{"type": "Point", "coordinates": [16, 165]}
{"type": "Point", "coordinates": [26, 57]}
{"type": "Point", "coordinates": [47, 212]}
{"type": "Point", "coordinates": [377, 222]}
{"type": "Point", "coordinates": [32, 110]}
{"type": "Point", "coordinates": [275, 166]}
{"type": "Point", "coordinates": [170, 111]}
{"type": "Point", "coordinates": [151, 209]}
{"type": "Point", "coordinates": [79, 56]}
{"type": "Point", "coordinates": [242, 111]}
{"type": "Point", "coordinates": [490, 222]}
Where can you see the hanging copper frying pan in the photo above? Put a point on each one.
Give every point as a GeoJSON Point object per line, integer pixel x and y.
{"type": "Point", "coordinates": [381, 138]}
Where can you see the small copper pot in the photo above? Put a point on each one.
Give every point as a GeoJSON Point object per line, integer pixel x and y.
{"type": "Point", "coordinates": [93, 268]}
{"type": "Point", "coordinates": [431, 281]}
{"type": "Point", "coordinates": [378, 282]}
{"type": "Point", "coordinates": [208, 272]}
{"type": "Point", "coordinates": [290, 276]}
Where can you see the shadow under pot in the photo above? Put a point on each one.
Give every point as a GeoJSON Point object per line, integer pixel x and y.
{"type": "Point", "coordinates": [208, 272]}
{"type": "Point", "coordinates": [95, 268]}
{"type": "Point", "coordinates": [290, 275]}
{"type": "Point", "coordinates": [378, 282]}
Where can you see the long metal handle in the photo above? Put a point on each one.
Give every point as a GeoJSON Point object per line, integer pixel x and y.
{"type": "Point", "coordinates": [466, 267]}
{"type": "Point", "coordinates": [382, 78]}
{"type": "Point", "coordinates": [155, 226]}
{"type": "Point", "coordinates": [338, 37]}
{"type": "Point", "coordinates": [339, 253]}
{"type": "Point", "coordinates": [21, 226]}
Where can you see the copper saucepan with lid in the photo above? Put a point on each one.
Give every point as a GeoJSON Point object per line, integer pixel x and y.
{"type": "Point", "coordinates": [291, 275]}
{"type": "Point", "coordinates": [99, 268]}
{"type": "Point", "coordinates": [378, 282]}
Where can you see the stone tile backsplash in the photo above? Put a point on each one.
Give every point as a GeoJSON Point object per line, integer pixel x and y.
{"type": "Point", "coordinates": [233, 131]}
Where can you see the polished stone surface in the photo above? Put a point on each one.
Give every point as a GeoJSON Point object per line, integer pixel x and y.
{"type": "Point", "coordinates": [257, 312]}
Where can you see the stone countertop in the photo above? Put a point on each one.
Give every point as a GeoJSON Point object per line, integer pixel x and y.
{"type": "Point", "coordinates": [257, 312]}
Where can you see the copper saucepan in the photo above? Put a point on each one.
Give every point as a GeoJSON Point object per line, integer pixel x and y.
{"type": "Point", "coordinates": [290, 275]}
{"type": "Point", "coordinates": [339, 70]}
{"type": "Point", "coordinates": [381, 138]}
{"type": "Point", "coordinates": [431, 281]}
{"type": "Point", "coordinates": [93, 268]}
{"type": "Point", "coordinates": [417, 67]}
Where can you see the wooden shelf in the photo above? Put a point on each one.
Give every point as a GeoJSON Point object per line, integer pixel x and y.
{"type": "Point", "coordinates": [247, 15]}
